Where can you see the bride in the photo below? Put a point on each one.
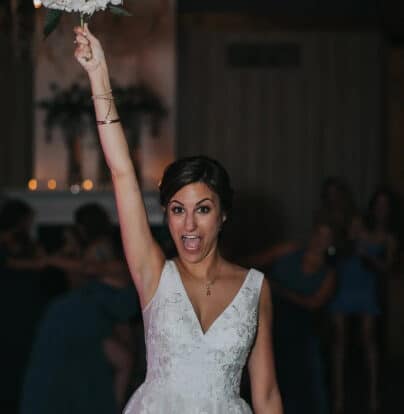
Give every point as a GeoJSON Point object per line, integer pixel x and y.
{"type": "Point", "coordinates": [204, 317]}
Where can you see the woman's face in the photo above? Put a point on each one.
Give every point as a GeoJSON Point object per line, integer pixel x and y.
{"type": "Point", "coordinates": [194, 219]}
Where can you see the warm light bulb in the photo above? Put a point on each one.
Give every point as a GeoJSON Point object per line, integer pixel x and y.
{"type": "Point", "coordinates": [52, 184]}
{"type": "Point", "coordinates": [37, 3]}
{"type": "Point", "coordinates": [87, 185]}
{"type": "Point", "coordinates": [33, 184]}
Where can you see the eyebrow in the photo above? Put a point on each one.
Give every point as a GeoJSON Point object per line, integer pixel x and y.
{"type": "Point", "coordinates": [198, 203]}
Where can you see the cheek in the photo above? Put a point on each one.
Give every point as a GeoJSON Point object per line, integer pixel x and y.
{"type": "Point", "coordinates": [212, 225]}
{"type": "Point", "coordinates": [173, 223]}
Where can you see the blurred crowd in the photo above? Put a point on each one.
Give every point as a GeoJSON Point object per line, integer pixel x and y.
{"type": "Point", "coordinates": [72, 339]}
{"type": "Point", "coordinates": [69, 318]}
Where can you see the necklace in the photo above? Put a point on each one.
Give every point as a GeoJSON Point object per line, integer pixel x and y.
{"type": "Point", "coordinates": [207, 285]}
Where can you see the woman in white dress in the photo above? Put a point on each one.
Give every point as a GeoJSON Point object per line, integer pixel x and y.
{"type": "Point", "coordinates": [204, 317]}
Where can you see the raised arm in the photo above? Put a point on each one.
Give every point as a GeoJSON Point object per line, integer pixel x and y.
{"type": "Point", "coordinates": [268, 256]}
{"type": "Point", "coordinates": [143, 254]}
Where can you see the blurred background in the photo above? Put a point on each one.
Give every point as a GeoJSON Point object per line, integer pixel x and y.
{"type": "Point", "coordinates": [289, 95]}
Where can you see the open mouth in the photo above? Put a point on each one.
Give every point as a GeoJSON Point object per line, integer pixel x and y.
{"type": "Point", "coordinates": [191, 242]}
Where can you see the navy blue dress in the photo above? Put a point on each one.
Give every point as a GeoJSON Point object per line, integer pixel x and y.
{"type": "Point", "coordinates": [68, 371]}
{"type": "Point", "coordinates": [358, 285]}
{"type": "Point", "coordinates": [297, 351]}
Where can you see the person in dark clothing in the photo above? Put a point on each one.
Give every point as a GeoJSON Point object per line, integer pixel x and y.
{"type": "Point", "coordinates": [21, 297]}
{"type": "Point", "coordinates": [303, 281]}
{"type": "Point", "coordinates": [70, 369]}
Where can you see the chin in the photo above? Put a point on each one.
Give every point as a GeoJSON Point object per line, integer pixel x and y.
{"type": "Point", "coordinates": [191, 257]}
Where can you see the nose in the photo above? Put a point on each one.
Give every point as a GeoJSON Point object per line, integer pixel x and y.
{"type": "Point", "coordinates": [190, 222]}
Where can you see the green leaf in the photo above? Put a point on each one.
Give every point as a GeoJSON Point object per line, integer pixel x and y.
{"type": "Point", "coordinates": [118, 10]}
{"type": "Point", "coordinates": [51, 21]}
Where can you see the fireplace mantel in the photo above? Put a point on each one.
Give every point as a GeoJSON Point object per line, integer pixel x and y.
{"type": "Point", "coordinates": [57, 207]}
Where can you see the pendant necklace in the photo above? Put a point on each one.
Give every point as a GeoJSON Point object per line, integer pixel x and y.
{"type": "Point", "coordinates": [207, 285]}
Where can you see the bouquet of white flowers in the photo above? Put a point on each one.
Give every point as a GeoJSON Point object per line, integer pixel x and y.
{"type": "Point", "coordinates": [80, 6]}
{"type": "Point", "coordinates": [85, 8]}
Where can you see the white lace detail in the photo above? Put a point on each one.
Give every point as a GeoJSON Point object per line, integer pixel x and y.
{"type": "Point", "coordinates": [189, 371]}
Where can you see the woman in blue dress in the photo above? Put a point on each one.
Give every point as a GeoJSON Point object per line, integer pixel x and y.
{"type": "Point", "coordinates": [70, 370]}
{"type": "Point", "coordinates": [373, 247]}
{"type": "Point", "coordinates": [303, 280]}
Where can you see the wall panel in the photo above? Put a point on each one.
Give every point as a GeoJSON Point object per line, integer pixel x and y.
{"type": "Point", "coordinates": [281, 130]}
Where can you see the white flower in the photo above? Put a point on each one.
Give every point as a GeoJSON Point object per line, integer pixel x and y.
{"type": "Point", "coordinates": [80, 6]}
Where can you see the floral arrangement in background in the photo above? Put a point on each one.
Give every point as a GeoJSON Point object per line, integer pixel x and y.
{"type": "Point", "coordinates": [71, 111]}
{"type": "Point", "coordinates": [85, 8]}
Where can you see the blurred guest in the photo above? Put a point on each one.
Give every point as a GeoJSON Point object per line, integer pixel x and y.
{"type": "Point", "coordinates": [358, 293]}
{"type": "Point", "coordinates": [88, 242]}
{"type": "Point", "coordinates": [21, 260]}
{"type": "Point", "coordinates": [302, 280]}
{"type": "Point", "coordinates": [90, 253]}
{"type": "Point", "coordinates": [82, 357]}
{"type": "Point", "coordinates": [337, 208]}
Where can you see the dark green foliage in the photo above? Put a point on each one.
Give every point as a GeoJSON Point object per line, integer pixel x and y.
{"type": "Point", "coordinates": [118, 10]}
{"type": "Point", "coordinates": [71, 110]}
{"type": "Point", "coordinates": [52, 19]}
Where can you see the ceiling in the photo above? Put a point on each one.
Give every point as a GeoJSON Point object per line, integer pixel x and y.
{"type": "Point", "coordinates": [386, 15]}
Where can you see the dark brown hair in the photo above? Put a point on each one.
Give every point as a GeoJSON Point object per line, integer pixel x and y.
{"type": "Point", "coordinates": [193, 170]}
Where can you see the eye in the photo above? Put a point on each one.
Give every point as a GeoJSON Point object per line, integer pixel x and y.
{"type": "Point", "coordinates": [203, 209]}
{"type": "Point", "coordinates": [177, 210]}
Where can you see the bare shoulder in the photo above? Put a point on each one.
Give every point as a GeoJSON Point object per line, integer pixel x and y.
{"type": "Point", "coordinates": [236, 275]}
{"type": "Point", "coordinates": [234, 271]}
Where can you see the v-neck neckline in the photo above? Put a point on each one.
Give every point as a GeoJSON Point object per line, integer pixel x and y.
{"type": "Point", "coordinates": [220, 315]}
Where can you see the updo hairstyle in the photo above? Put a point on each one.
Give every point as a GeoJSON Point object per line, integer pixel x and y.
{"type": "Point", "coordinates": [197, 169]}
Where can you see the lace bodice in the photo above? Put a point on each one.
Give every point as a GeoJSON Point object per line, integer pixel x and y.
{"type": "Point", "coordinates": [190, 371]}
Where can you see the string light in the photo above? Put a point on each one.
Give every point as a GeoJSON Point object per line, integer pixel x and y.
{"type": "Point", "coordinates": [37, 3]}
{"type": "Point", "coordinates": [33, 184]}
{"type": "Point", "coordinates": [52, 184]}
{"type": "Point", "coordinates": [87, 185]}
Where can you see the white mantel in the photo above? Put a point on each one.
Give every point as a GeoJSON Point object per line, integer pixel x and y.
{"type": "Point", "coordinates": [57, 207]}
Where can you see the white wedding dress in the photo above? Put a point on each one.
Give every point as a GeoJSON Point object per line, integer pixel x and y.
{"type": "Point", "coordinates": [189, 371]}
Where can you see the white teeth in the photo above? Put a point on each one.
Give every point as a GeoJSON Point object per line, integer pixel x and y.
{"type": "Point", "coordinates": [190, 237]}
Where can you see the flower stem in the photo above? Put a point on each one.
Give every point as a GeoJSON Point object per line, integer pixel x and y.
{"type": "Point", "coordinates": [82, 20]}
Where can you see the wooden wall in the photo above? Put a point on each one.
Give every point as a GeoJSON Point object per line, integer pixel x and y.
{"type": "Point", "coordinates": [395, 175]}
{"type": "Point", "coordinates": [281, 130]}
{"type": "Point", "coordinates": [16, 102]}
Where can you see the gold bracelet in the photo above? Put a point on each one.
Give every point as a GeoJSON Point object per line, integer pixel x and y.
{"type": "Point", "coordinates": [108, 121]}
{"type": "Point", "coordinates": [103, 95]}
